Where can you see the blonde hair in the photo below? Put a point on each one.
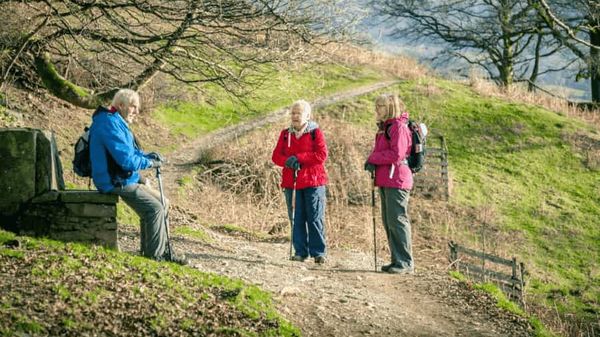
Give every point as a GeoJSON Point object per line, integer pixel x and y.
{"type": "Point", "coordinates": [394, 106]}
{"type": "Point", "coordinates": [306, 108]}
{"type": "Point", "coordinates": [125, 98]}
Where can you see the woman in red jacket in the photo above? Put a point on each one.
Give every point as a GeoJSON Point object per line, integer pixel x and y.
{"type": "Point", "coordinates": [301, 151]}
{"type": "Point", "coordinates": [393, 177]}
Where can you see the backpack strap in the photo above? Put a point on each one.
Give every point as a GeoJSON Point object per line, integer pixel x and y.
{"type": "Point", "coordinates": [313, 135]}
{"type": "Point", "coordinates": [388, 137]}
{"type": "Point", "coordinates": [387, 132]}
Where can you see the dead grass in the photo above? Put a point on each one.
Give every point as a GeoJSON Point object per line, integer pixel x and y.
{"type": "Point", "coordinates": [396, 65]}
{"type": "Point", "coordinates": [587, 146]}
{"type": "Point", "coordinates": [519, 93]}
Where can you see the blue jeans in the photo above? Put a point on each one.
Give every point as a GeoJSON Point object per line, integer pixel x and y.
{"type": "Point", "coordinates": [308, 232]}
{"type": "Point", "coordinates": [394, 211]}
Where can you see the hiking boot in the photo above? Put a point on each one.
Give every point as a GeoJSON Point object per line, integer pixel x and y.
{"type": "Point", "coordinates": [179, 259]}
{"type": "Point", "coordinates": [386, 267]}
{"type": "Point", "coordinates": [320, 259]}
{"type": "Point", "coordinates": [298, 258]}
{"type": "Point", "coordinates": [396, 270]}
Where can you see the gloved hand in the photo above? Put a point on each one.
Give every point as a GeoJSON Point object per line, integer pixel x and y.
{"type": "Point", "coordinates": [370, 167]}
{"type": "Point", "coordinates": [155, 156]}
{"type": "Point", "coordinates": [292, 162]}
{"type": "Point", "coordinates": [155, 163]}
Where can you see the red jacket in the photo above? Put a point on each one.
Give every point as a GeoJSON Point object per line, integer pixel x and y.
{"type": "Point", "coordinates": [393, 153]}
{"type": "Point", "coordinates": [311, 155]}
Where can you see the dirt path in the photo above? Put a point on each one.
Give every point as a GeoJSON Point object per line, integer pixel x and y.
{"type": "Point", "coordinates": [345, 297]}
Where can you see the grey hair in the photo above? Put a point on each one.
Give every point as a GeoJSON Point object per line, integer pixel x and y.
{"type": "Point", "coordinates": [125, 97]}
{"type": "Point", "coordinates": [306, 108]}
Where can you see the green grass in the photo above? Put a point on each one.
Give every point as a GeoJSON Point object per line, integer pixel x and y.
{"type": "Point", "coordinates": [126, 216]}
{"type": "Point", "coordinates": [503, 302]}
{"type": "Point", "coordinates": [516, 160]}
{"type": "Point", "coordinates": [193, 233]}
{"type": "Point", "coordinates": [218, 109]}
{"type": "Point", "coordinates": [82, 288]}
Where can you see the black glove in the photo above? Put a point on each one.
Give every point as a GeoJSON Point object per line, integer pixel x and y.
{"type": "Point", "coordinates": [155, 163]}
{"type": "Point", "coordinates": [155, 156]}
{"type": "Point", "coordinates": [370, 167]}
{"type": "Point", "coordinates": [292, 162]}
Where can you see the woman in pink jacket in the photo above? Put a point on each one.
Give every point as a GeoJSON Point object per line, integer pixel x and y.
{"type": "Point", "coordinates": [388, 161]}
{"type": "Point", "coordinates": [301, 151]}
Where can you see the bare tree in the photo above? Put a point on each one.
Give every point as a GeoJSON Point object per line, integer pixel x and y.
{"type": "Point", "coordinates": [576, 24]}
{"type": "Point", "coordinates": [82, 50]}
{"type": "Point", "coordinates": [499, 36]}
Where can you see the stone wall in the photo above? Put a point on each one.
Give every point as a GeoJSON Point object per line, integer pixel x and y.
{"type": "Point", "coordinates": [33, 200]}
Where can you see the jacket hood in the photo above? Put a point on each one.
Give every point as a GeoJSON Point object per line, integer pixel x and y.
{"type": "Point", "coordinates": [402, 118]}
{"type": "Point", "coordinates": [110, 110]}
{"type": "Point", "coordinates": [311, 125]}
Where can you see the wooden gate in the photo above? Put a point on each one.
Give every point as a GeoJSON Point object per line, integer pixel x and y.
{"type": "Point", "coordinates": [486, 267]}
{"type": "Point", "coordinates": [432, 180]}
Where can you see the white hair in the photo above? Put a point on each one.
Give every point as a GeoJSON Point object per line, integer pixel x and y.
{"type": "Point", "coordinates": [306, 108]}
{"type": "Point", "coordinates": [126, 98]}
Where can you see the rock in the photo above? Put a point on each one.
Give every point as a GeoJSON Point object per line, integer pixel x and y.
{"type": "Point", "coordinates": [289, 291]}
{"type": "Point", "coordinates": [17, 176]}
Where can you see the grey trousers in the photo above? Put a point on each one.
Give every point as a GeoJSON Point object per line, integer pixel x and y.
{"type": "Point", "coordinates": [394, 211]}
{"type": "Point", "coordinates": [145, 201]}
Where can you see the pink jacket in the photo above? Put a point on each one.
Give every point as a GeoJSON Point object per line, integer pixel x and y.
{"type": "Point", "coordinates": [390, 155]}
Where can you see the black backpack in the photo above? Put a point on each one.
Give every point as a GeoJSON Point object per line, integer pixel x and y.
{"type": "Point", "coordinates": [82, 166]}
{"type": "Point", "coordinates": [416, 159]}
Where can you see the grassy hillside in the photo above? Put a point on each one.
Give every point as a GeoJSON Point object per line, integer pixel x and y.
{"type": "Point", "coordinates": [215, 108]}
{"type": "Point", "coordinates": [57, 289]}
{"type": "Point", "coordinates": [530, 174]}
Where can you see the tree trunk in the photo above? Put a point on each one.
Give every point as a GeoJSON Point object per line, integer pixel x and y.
{"type": "Point", "coordinates": [506, 64]}
{"type": "Point", "coordinates": [536, 62]}
{"type": "Point", "coordinates": [61, 87]}
{"type": "Point", "coordinates": [595, 65]}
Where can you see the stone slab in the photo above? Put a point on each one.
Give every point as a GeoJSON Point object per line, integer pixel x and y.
{"type": "Point", "coordinates": [17, 167]}
{"type": "Point", "coordinates": [84, 196]}
{"type": "Point", "coordinates": [92, 210]}
{"type": "Point", "coordinates": [46, 197]}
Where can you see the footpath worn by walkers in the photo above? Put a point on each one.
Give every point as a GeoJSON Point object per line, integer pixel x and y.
{"type": "Point", "coordinates": [345, 297]}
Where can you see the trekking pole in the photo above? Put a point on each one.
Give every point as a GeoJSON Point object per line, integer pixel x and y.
{"type": "Point", "coordinates": [162, 201]}
{"type": "Point", "coordinates": [293, 213]}
{"type": "Point", "coordinates": [374, 221]}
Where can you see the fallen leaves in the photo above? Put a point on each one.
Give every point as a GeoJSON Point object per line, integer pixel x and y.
{"type": "Point", "coordinates": [71, 290]}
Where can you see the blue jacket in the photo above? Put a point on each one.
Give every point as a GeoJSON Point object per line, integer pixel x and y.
{"type": "Point", "coordinates": [110, 134]}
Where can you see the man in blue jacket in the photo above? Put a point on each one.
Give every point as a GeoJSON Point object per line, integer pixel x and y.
{"type": "Point", "coordinates": [116, 161]}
